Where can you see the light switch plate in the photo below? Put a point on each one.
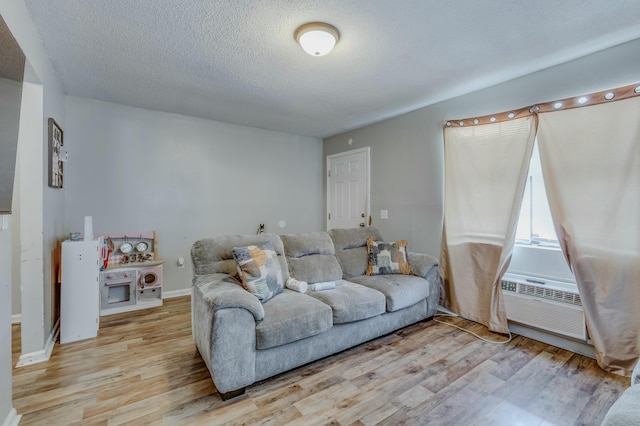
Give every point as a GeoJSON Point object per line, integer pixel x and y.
{"type": "Point", "coordinates": [4, 223]}
{"type": "Point", "coordinates": [384, 214]}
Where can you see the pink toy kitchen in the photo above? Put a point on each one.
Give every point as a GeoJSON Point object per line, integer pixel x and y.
{"type": "Point", "coordinates": [131, 273]}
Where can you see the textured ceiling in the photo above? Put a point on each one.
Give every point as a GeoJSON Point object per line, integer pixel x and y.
{"type": "Point", "coordinates": [12, 63]}
{"type": "Point", "coordinates": [236, 60]}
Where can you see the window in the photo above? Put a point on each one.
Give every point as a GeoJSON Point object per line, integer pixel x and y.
{"type": "Point", "coordinates": [535, 226]}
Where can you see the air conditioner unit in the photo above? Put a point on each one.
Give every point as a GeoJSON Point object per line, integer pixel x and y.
{"type": "Point", "coordinates": [545, 304]}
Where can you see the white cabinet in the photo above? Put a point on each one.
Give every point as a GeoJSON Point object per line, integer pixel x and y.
{"type": "Point", "coordinates": [80, 297]}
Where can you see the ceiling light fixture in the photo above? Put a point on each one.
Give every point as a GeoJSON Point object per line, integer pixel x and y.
{"type": "Point", "coordinates": [317, 38]}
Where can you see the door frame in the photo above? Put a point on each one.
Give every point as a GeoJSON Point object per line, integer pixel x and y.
{"type": "Point", "coordinates": [367, 151]}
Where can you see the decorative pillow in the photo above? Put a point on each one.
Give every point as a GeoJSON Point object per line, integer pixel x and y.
{"type": "Point", "coordinates": [387, 258]}
{"type": "Point", "coordinates": [259, 270]}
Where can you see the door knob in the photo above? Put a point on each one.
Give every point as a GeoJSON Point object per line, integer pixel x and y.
{"type": "Point", "coordinates": [361, 224]}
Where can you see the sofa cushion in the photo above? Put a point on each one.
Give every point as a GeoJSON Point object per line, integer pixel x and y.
{"type": "Point", "coordinates": [215, 255]}
{"type": "Point", "coordinates": [307, 243]}
{"type": "Point", "coordinates": [259, 270]}
{"type": "Point", "coordinates": [399, 290]}
{"type": "Point", "coordinates": [387, 258]}
{"type": "Point", "coordinates": [351, 302]}
{"type": "Point", "coordinates": [289, 317]}
{"type": "Point", "coordinates": [311, 257]}
{"type": "Point", "coordinates": [351, 249]}
{"type": "Point", "coordinates": [315, 269]}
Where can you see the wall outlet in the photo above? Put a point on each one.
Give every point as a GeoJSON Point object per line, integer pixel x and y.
{"type": "Point", "coordinates": [384, 214]}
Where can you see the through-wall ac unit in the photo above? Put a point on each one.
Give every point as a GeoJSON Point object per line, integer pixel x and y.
{"type": "Point", "coordinates": [545, 304]}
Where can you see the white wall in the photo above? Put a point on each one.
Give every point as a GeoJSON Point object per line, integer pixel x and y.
{"type": "Point", "coordinates": [5, 324]}
{"type": "Point", "coordinates": [9, 120]}
{"type": "Point", "coordinates": [39, 71]}
{"type": "Point", "coordinates": [29, 255]}
{"type": "Point", "coordinates": [407, 151]}
{"type": "Point", "coordinates": [137, 170]}
{"type": "Point", "coordinates": [10, 95]}
{"type": "Point", "coordinates": [54, 206]}
{"type": "Point", "coordinates": [406, 177]}
{"type": "Point", "coordinates": [17, 18]}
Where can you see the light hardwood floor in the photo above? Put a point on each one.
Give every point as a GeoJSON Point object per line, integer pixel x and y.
{"type": "Point", "coordinates": [143, 368]}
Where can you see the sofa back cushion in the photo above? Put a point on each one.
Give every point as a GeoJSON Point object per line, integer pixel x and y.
{"type": "Point", "coordinates": [351, 249]}
{"type": "Point", "coordinates": [311, 257]}
{"type": "Point", "coordinates": [215, 255]}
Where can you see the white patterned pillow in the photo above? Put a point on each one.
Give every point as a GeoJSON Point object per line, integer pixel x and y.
{"type": "Point", "coordinates": [259, 270]}
{"type": "Point", "coordinates": [387, 258]}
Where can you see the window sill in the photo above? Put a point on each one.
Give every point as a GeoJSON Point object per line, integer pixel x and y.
{"type": "Point", "coordinates": [547, 262]}
{"type": "Point", "coordinates": [538, 246]}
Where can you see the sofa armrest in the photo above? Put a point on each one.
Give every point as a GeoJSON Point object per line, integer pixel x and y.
{"type": "Point", "coordinates": [421, 264]}
{"type": "Point", "coordinates": [426, 266]}
{"type": "Point", "coordinates": [223, 323]}
{"type": "Point", "coordinates": [221, 291]}
{"type": "Point", "coordinates": [625, 411]}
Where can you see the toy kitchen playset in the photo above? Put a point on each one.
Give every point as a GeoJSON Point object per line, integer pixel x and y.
{"type": "Point", "coordinates": [106, 274]}
{"type": "Point", "coordinates": [131, 274]}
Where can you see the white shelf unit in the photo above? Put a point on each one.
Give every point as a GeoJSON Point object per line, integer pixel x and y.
{"type": "Point", "coordinates": [79, 298]}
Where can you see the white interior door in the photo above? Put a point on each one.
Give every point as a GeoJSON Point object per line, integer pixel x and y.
{"type": "Point", "coordinates": [348, 189]}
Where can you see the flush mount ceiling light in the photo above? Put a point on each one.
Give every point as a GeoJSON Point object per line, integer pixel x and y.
{"type": "Point", "coordinates": [317, 38]}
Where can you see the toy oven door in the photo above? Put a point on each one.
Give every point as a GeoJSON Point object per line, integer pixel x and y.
{"type": "Point", "coordinates": [118, 292]}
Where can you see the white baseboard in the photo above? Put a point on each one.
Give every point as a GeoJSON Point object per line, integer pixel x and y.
{"type": "Point", "coordinates": [53, 337]}
{"type": "Point", "coordinates": [544, 337]}
{"type": "Point", "coordinates": [16, 318]}
{"type": "Point", "coordinates": [443, 310]}
{"type": "Point", "coordinates": [565, 343]}
{"type": "Point", "coordinates": [130, 308]}
{"type": "Point", "coordinates": [43, 354]}
{"type": "Point", "coordinates": [176, 293]}
{"type": "Point", "coordinates": [12, 418]}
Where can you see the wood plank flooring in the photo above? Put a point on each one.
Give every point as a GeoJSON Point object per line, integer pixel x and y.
{"type": "Point", "coordinates": [143, 368]}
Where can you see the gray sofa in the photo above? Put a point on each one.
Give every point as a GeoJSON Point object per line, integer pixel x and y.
{"type": "Point", "coordinates": [243, 341]}
{"type": "Point", "coordinates": [626, 410]}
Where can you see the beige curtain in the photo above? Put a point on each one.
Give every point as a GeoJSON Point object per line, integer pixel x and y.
{"type": "Point", "coordinates": [591, 164]}
{"type": "Point", "coordinates": [486, 168]}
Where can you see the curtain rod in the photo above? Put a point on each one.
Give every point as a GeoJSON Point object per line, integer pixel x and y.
{"type": "Point", "coordinates": [596, 98]}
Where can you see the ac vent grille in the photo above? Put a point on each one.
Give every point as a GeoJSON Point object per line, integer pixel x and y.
{"type": "Point", "coordinates": [542, 293]}
{"type": "Point", "coordinates": [544, 305]}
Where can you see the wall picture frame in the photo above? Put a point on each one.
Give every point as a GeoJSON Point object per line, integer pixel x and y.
{"type": "Point", "coordinates": [56, 144]}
